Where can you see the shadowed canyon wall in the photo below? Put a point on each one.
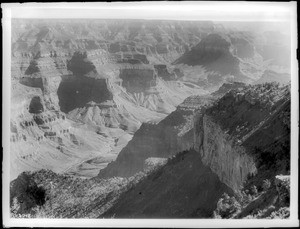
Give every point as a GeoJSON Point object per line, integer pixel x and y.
{"type": "Point", "coordinates": [75, 92]}
{"type": "Point", "coordinates": [183, 188]}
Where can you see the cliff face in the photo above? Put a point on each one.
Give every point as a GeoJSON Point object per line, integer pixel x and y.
{"type": "Point", "coordinates": [242, 129]}
{"type": "Point", "coordinates": [218, 151]}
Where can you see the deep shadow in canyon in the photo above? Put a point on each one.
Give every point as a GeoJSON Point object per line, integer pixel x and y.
{"type": "Point", "coordinates": [183, 188]}
{"type": "Point", "coordinates": [75, 92]}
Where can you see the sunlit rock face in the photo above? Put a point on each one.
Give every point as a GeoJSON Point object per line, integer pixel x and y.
{"type": "Point", "coordinates": [231, 163]}
{"type": "Point", "coordinates": [235, 135]}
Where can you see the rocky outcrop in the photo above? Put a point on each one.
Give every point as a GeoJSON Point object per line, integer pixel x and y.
{"type": "Point", "coordinates": [213, 53]}
{"type": "Point", "coordinates": [44, 193]}
{"type": "Point", "coordinates": [153, 163]}
{"type": "Point", "coordinates": [105, 114]}
{"type": "Point", "coordinates": [224, 57]}
{"type": "Point", "coordinates": [226, 87]}
{"type": "Point", "coordinates": [25, 195]}
{"type": "Point", "coordinates": [230, 123]}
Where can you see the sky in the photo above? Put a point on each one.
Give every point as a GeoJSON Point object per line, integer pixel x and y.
{"type": "Point", "coordinates": [182, 10]}
{"type": "Point", "coordinates": [258, 16]}
{"type": "Point", "coordinates": [258, 26]}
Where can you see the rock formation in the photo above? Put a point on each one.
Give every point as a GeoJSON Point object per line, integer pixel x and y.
{"type": "Point", "coordinates": [216, 157]}
{"type": "Point", "coordinates": [163, 109]}
{"type": "Point", "coordinates": [164, 139]}
{"type": "Point", "coordinates": [110, 79]}
{"type": "Point", "coordinates": [223, 133]}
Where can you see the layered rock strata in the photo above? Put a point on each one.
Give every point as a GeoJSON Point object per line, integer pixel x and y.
{"type": "Point", "coordinates": [220, 132]}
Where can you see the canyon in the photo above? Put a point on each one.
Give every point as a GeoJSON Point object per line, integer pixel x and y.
{"type": "Point", "coordinates": [141, 118]}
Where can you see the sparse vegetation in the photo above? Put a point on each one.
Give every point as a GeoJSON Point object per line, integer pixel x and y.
{"type": "Point", "coordinates": [227, 206]}
{"type": "Point", "coordinates": [271, 202]}
{"type": "Point", "coordinates": [266, 184]}
{"type": "Point", "coordinates": [68, 197]}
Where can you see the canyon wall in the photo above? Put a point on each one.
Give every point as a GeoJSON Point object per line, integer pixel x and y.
{"type": "Point", "coordinates": [110, 76]}
{"type": "Point", "coordinates": [218, 151]}
{"type": "Point", "coordinates": [102, 82]}
{"type": "Point", "coordinates": [218, 128]}
{"type": "Point", "coordinates": [235, 135]}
